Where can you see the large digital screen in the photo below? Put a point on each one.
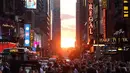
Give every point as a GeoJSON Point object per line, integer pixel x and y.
{"type": "Point", "coordinates": [27, 35]}
{"type": "Point", "coordinates": [31, 4]}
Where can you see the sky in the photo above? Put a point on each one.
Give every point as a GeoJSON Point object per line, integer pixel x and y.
{"type": "Point", "coordinates": [68, 23]}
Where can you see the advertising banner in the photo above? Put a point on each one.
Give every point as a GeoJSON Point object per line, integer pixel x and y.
{"type": "Point", "coordinates": [31, 4]}
{"type": "Point", "coordinates": [31, 38]}
{"type": "Point", "coordinates": [27, 35]}
{"type": "Point", "coordinates": [104, 23]}
{"type": "Point", "coordinates": [104, 3]}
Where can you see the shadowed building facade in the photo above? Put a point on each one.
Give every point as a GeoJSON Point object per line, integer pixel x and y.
{"type": "Point", "coordinates": [56, 25]}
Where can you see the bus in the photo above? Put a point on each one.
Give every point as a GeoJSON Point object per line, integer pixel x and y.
{"type": "Point", "coordinates": [20, 58]}
{"type": "Point", "coordinates": [18, 53]}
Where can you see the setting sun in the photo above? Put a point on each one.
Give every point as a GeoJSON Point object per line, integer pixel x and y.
{"type": "Point", "coordinates": [67, 42]}
{"type": "Point", "coordinates": [68, 33]}
{"type": "Point", "coordinates": [68, 23]}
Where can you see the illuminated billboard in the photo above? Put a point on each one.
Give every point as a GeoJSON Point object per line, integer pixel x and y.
{"type": "Point", "coordinates": [31, 4]}
{"type": "Point", "coordinates": [27, 35]}
{"type": "Point", "coordinates": [126, 9]}
{"type": "Point", "coordinates": [31, 37]}
{"type": "Point", "coordinates": [104, 23]}
{"type": "Point", "coordinates": [104, 3]}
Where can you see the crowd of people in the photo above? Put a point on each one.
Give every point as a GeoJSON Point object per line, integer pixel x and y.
{"type": "Point", "coordinates": [84, 66]}
{"type": "Point", "coordinates": [105, 65]}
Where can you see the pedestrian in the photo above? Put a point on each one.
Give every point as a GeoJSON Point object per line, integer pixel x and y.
{"type": "Point", "coordinates": [91, 69]}
{"type": "Point", "coordinates": [6, 68]}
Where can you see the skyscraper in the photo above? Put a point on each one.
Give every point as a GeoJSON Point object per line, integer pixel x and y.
{"type": "Point", "coordinates": [81, 20]}
{"type": "Point", "coordinates": [56, 24]}
{"type": "Point", "coordinates": [77, 24]}
{"type": "Point", "coordinates": [40, 20]}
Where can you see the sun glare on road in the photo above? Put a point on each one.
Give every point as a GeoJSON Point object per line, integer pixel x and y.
{"type": "Point", "coordinates": [67, 42]}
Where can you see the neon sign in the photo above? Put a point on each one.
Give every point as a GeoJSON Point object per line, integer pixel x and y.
{"type": "Point", "coordinates": [113, 40]}
{"type": "Point", "coordinates": [104, 3]}
{"type": "Point", "coordinates": [31, 38]}
{"type": "Point", "coordinates": [126, 9]}
{"type": "Point", "coordinates": [14, 50]}
{"type": "Point", "coordinates": [8, 25]}
{"type": "Point", "coordinates": [90, 19]}
{"type": "Point", "coordinates": [104, 23]}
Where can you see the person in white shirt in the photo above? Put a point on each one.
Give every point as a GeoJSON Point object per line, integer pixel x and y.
{"type": "Point", "coordinates": [76, 71]}
{"type": "Point", "coordinates": [41, 70]}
